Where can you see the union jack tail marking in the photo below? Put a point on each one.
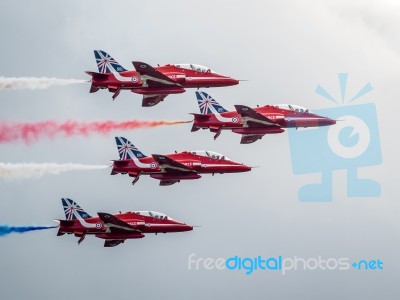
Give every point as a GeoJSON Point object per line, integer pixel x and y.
{"type": "Point", "coordinates": [72, 210]}
{"type": "Point", "coordinates": [107, 64]}
{"type": "Point", "coordinates": [126, 149]}
{"type": "Point", "coordinates": [207, 104]}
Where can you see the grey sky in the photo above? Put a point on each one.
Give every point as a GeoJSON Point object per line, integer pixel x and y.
{"type": "Point", "coordinates": [285, 50]}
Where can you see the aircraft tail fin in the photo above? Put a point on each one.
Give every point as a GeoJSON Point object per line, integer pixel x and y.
{"type": "Point", "coordinates": [107, 64]}
{"type": "Point", "coordinates": [72, 210]}
{"type": "Point", "coordinates": [126, 149]}
{"type": "Point", "coordinates": [207, 104]}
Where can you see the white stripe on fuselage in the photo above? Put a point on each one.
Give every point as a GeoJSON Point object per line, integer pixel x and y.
{"type": "Point", "coordinates": [83, 222]}
{"type": "Point", "coordinates": [218, 115]}
{"type": "Point", "coordinates": [204, 78]}
{"type": "Point", "coordinates": [117, 75]}
{"type": "Point", "coordinates": [110, 225]}
{"type": "Point", "coordinates": [147, 77]}
{"type": "Point", "coordinates": [162, 225]}
{"type": "Point", "coordinates": [245, 120]}
{"type": "Point", "coordinates": [218, 165]}
{"type": "Point", "coordinates": [121, 78]}
{"type": "Point", "coordinates": [139, 164]}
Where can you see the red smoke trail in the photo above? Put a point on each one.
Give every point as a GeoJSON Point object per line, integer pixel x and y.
{"type": "Point", "coordinates": [31, 132]}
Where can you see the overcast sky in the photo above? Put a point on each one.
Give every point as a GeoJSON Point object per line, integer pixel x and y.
{"type": "Point", "coordinates": [284, 49]}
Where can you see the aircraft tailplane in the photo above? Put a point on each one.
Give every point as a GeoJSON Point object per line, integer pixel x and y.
{"type": "Point", "coordinates": [93, 89]}
{"type": "Point", "coordinates": [198, 119]}
{"type": "Point", "coordinates": [194, 128]}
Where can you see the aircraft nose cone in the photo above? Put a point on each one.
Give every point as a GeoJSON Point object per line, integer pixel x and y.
{"type": "Point", "coordinates": [187, 227]}
{"type": "Point", "coordinates": [234, 81]}
{"type": "Point", "coordinates": [245, 168]}
{"type": "Point", "coordinates": [327, 122]}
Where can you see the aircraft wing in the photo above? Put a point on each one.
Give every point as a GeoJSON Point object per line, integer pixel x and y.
{"type": "Point", "coordinates": [151, 100]}
{"type": "Point", "coordinates": [250, 138]}
{"type": "Point", "coordinates": [116, 225]}
{"type": "Point", "coordinates": [251, 118]}
{"type": "Point", "coordinates": [169, 165]}
{"type": "Point", "coordinates": [112, 243]}
{"type": "Point", "coordinates": [153, 78]}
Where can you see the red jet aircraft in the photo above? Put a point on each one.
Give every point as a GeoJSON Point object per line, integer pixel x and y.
{"type": "Point", "coordinates": [171, 168]}
{"type": "Point", "coordinates": [153, 83]}
{"type": "Point", "coordinates": [115, 229]}
{"type": "Point", "coordinates": [253, 123]}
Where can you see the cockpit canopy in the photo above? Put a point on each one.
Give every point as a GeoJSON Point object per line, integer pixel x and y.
{"type": "Point", "coordinates": [194, 67]}
{"type": "Point", "coordinates": [210, 154]}
{"type": "Point", "coordinates": [153, 214]}
{"type": "Point", "coordinates": [293, 107]}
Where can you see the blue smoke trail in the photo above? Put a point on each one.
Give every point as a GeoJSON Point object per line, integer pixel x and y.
{"type": "Point", "coordinates": [6, 230]}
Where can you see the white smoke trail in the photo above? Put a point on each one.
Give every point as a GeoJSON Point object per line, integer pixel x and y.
{"type": "Point", "coordinates": [32, 170]}
{"type": "Point", "coordinates": [34, 83]}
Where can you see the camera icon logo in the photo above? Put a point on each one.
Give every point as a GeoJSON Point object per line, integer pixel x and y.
{"type": "Point", "coordinates": [353, 142]}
